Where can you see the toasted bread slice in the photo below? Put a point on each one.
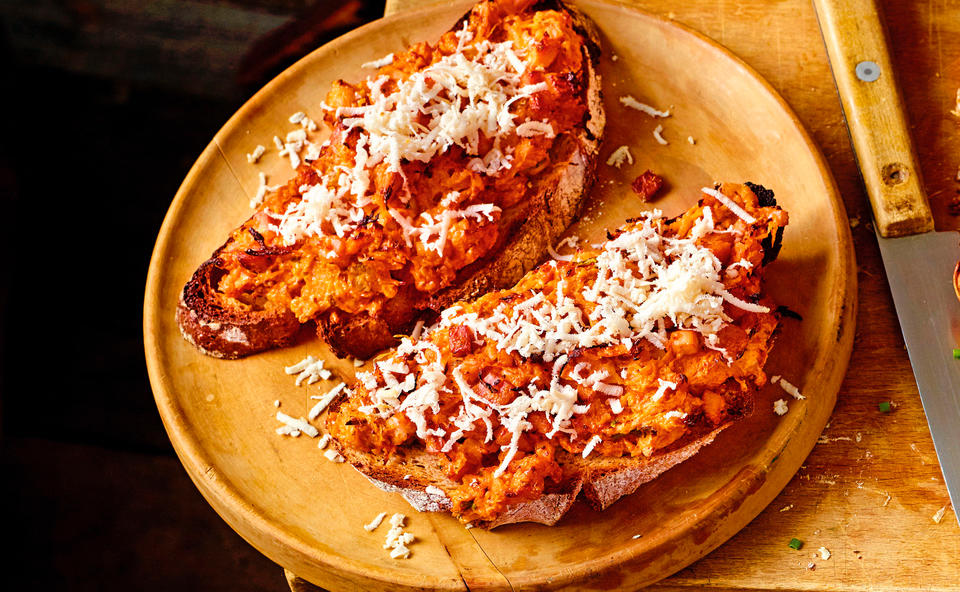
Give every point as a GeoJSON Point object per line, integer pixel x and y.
{"type": "Point", "coordinates": [589, 376]}
{"type": "Point", "coordinates": [264, 283]}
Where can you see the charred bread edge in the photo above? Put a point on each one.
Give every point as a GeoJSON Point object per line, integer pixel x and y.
{"type": "Point", "coordinates": [223, 334]}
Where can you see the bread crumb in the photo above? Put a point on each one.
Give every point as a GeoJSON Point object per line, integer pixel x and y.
{"type": "Point", "coordinates": [691, 141]}
{"type": "Point", "coordinates": [858, 437]}
{"type": "Point", "coordinates": [785, 508]}
{"type": "Point", "coordinates": [811, 566]}
{"type": "Point", "coordinates": [824, 553]}
{"type": "Point", "coordinates": [614, 57]}
{"type": "Point", "coordinates": [854, 222]}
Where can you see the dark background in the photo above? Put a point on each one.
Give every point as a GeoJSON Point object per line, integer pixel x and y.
{"type": "Point", "coordinates": [107, 103]}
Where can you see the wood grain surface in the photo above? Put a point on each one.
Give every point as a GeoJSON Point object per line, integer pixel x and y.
{"type": "Point", "coordinates": [306, 513]}
{"type": "Point", "coordinates": [869, 491]}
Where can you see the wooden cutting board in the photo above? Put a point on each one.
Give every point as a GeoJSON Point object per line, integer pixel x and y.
{"type": "Point", "coordinates": [307, 513]}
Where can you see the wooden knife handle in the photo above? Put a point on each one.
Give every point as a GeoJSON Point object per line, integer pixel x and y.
{"type": "Point", "coordinates": [854, 35]}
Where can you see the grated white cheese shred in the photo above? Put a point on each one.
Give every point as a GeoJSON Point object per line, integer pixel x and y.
{"type": "Point", "coordinates": [376, 64]}
{"type": "Point", "coordinates": [323, 441]}
{"type": "Point", "coordinates": [372, 526]}
{"type": "Point", "coordinates": [591, 445]}
{"type": "Point", "coordinates": [254, 156]}
{"type": "Point", "coordinates": [644, 280]}
{"type": "Point", "coordinates": [299, 425]}
{"type": "Point", "coordinates": [325, 400]}
{"type": "Point", "coordinates": [730, 204]}
{"type": "Point", "coordinates": [308, 369]}
{"type": "Point", "coordinates": [333, 456]}
{"type": "Point", "coordinates": [629, 101]}
{"type": "Point", "coordinates": [658, 136]}
{"type": "Point", "coordinates": [789, 388]}
{"type": "Point", "coordinates": [618, 156]}
{"type": "Point", "coordinates": [780, 407]}
{"type": "Point", "coordinates": [397, 540]}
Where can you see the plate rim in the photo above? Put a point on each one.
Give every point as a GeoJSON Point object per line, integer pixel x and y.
{"type": "Point", "coordinates": [232, 506]}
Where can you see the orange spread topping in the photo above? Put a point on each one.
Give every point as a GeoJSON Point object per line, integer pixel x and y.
{"type": "Point", "coordinates": [501, 412]}
{"type": "Point", "coordinates": [373, 256]}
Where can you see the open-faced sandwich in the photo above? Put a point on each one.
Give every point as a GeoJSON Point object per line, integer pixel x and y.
{"type": "Point", "coordinates": [447, 174]}
{"type": "Point", "coordinates": [595, 373]}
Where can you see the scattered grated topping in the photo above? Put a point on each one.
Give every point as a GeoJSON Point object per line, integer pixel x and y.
{"type": "Point", "coordinates": [397, 540]}
{"type": "Point", "coordinates": [333, 455]}
{"type": "Point", "coordinates": [286, 430]}
{"type": "Point", "coordinates": [788, 388]}
{"type": "Point", "coordinates": [434, 490]}
{"type": "Point", "coordinates": [691, 141]}
{"type": "Point", "coordinates": [658, 135]}
{"type": "Point", "coordinates": [824, 553]}
{"type": "Point", "coordinates": [256, 154]}
{"type": "Point", "coordinates": [323, 441]}
{"type": "Point", "coordinates": [462, 97]}
{"type": "Point", "coordinates": [308, 369]}
{"type": "Point", "coordinates": [780, 407]}
{"type": "Point", "coordinates": [615, 406]}
{"type": "Point", "coordinates": [276, 403]}
{"type": "Point", "coordinates": [300, 424]}
{"type": "Point", "coordinates": [553, 252]}
{"type": "Point", "coordinates": [325, 400]}
{"type": "Point", "coordinates": [730, 204]}
{"type": "Point", "coordinates": [629, 101]}
{"type": "Point", "coordinates": [377, 64]}
{"type": "Point", "coordinates": [372, 526]}
{"type": "Point", "coordinates": [785, 508]}
{"type": "Point", "coordinates": [956, 109]}
{"type": "Point", "coordinates": [644, 280]}
{"type": "Point", "coordinates": [591, 445]}
{"type": "Point", "coordinates": [262, 189]}
{"type": "Point", "coordinates": [297, 117]}
{"type": "Point", "coordinates": [618, 156]}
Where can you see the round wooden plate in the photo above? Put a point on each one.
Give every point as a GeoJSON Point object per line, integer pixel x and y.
{"type": "Point", "coordinates": [307, 513]}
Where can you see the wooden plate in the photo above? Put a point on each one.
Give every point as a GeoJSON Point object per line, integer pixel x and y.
{"type": "Point", "coordinates": [306, 513]}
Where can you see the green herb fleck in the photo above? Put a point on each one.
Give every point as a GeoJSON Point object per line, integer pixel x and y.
{"type": "Point", "coordinates": [956, 353]}
{"type": "Point", "coordinates": [796, 544]}
{"type": "Point", "coordinates": [884, 407]}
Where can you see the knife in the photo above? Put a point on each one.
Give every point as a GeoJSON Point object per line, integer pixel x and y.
{"type": "Point", "coordinates": [918, 260]}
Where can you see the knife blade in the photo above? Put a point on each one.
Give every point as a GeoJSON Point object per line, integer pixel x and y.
{"type": "Point", "coordinates": [918, 260]}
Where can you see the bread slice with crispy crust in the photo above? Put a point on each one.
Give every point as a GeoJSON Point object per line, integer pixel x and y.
{"type": "Point", "coordinates": [224, 327]}
{"type": "Point", "coordinates": [462, 418]}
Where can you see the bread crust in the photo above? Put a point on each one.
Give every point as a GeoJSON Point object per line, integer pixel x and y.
{"type": "Point", "coordinates": [529, 231]}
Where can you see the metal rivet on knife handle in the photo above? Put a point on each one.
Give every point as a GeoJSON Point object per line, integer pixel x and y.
{"type": "Point", "coordinates": [868, 71]}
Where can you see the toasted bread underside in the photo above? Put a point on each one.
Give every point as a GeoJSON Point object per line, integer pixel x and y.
{"type": "Point", "coordinates": [601, 480]}
{"type": "Point", "coordinates": [210, 324]}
